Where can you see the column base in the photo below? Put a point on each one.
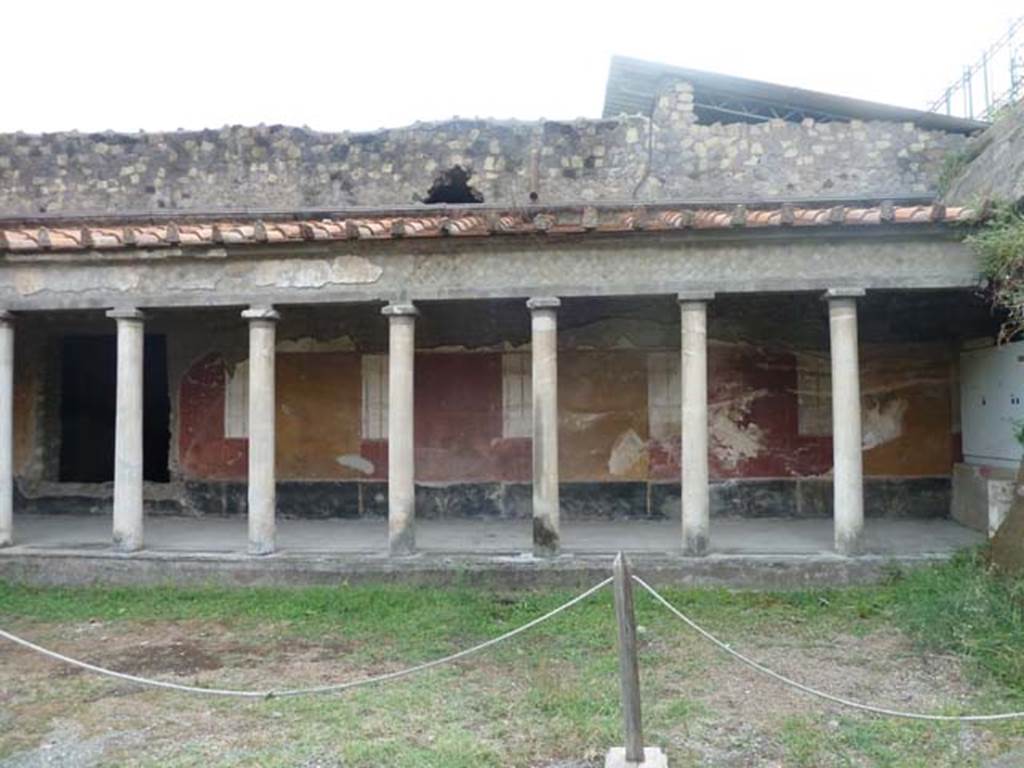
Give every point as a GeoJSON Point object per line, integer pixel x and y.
{"type": "Point", "coordinates": [261, 548]}
{"type": "Point", "coordinates": [402, 543]}
{"type": "Point", "coordinates": [653, 758]}
{"type": "Point", "coordinates": [125, 544]}
{"type": "Point", "coordinates": [695, 545]}
{"type": "Point", "coordinates": [850, 544]}
{"type": "Point", "coordinates": [546, 541]}
{"type": "Point", "coordinates": [546, 552]}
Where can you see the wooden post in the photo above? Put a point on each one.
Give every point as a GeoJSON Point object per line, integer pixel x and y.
{"type": "Point", "coordinates": [628, 667]}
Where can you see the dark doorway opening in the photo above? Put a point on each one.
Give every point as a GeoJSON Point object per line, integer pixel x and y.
{"type": "Point", "coordinates": [88, 409]}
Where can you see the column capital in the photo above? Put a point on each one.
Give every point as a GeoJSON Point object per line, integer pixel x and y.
{"type": "Point", "coordinates": [126, 313]}
{"type": "Point", "coordinates": [264, 312]}
{"type": "Point", "coordinates": [400, 309]}
{"type": "Point", "coordinates": [845, 292]}
{"type": "Point", "coordinates": [687, 297]}
{"type": "Point", "coordinates": [6, 317]}
{"type": "Point", "coordinates": [543, 302]}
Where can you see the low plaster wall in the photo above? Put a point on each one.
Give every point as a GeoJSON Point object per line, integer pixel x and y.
{"type": "Point", "coordinates": [982, 496]}
{"type": "Point", "coordinates": [502, 573]}
{"type": "Point", "coordinates": [891, 498]}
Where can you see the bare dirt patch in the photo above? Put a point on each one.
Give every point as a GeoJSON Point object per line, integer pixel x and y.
{"type": "Point", "coordinates": [177, 658]}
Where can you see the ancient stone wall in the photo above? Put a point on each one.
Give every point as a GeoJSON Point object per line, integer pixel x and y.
{"type": "Point", "coordinates": [666, 156]}
{"type": "Point", "coordinates": [991, 166]}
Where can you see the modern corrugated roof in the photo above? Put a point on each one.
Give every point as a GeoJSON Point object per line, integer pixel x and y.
{"type": "Point", "coordinates": [113, 234]}
{"type": "Point", "coordinates": [633, 85]}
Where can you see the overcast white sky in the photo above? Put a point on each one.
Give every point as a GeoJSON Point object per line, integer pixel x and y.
{"type": "Point", "coordinates": [110, 64]}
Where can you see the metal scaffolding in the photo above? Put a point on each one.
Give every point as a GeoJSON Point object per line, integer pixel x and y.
{"type": "Point", "coordinates": [993, 82]}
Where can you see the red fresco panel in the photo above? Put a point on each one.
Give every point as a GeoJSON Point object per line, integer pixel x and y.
{"type": "Point", "coordinates": [753, 414]}
{"type": "Point", "coordinates": [203, 451]}
{"type": "Point", "coordinates": [752, 402]}
{"type": "Point", "coordinates": [376, 451]}
{"type": "Point", "coordinates": [458, 417]}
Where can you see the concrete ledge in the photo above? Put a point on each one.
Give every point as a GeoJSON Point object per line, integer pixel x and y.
{"type": "Point", "coordinates": [653, 758]}
{"type": "Point", "coordinates": [57, 567]}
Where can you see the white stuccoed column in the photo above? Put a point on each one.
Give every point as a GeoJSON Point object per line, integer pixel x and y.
{"type": "Point", "coordinates": [847, 460]}
{"type": "Point", "coordinates": [401, 445]}
{"type": "Point", "coordinates": [262, 431]}
{"type": "Point", "coordinates": [131, 337]}
{"type": "Point", "coordinates": [544, 345]}
{"type": "Point", "coordinates": [695, 498]}
{"type": "Point", "coordinates": [6, 428]}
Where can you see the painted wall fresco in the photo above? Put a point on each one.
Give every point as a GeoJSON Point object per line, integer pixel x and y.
{"type": "Point", "coordinates": [769, 417]}
{"type": "Point", "coordinates": [318, 416]}
{"type": "Point", "coordinates": [908, 395]}
{"type": "Point", "coordinates": [602, 415]}
{"type": "Point", "coordinates": [458, 420]}
{"type": "Point", "coordinates": [319, 436]}
{"type": "Point", "coordinates": [27, 388]}
{"type": "Point", "coordinates": [203, 451]}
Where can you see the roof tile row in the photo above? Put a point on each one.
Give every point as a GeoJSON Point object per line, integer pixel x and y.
{"type": "Point", "coordinates": [243, 230]}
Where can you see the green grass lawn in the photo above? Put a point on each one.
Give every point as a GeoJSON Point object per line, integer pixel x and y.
{"type": "Point", "coordinates": [944, 639]}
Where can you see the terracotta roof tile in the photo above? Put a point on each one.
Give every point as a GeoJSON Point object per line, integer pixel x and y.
{"type": "Point", "coordinates": [811, 217]}
{"type": "Point", "coordinates": [856, 216]}
{"type": "Point", "coordinates": [917, 214]}
{"type": "Point", "coordinates": [712, 219]}
{"type": "Point", "coordinates": [183, 233]}
{"type": "Point", "coordinates": [769, 218]}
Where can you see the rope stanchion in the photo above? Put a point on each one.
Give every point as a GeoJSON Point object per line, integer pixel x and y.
{"type": "Point", "coordinates": [322, 689]}
{"type": "Point", "coordinates": [813, 691]}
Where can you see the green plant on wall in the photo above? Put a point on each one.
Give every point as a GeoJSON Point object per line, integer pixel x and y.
{"type": "Point", "coordinates": [1000, 244]}
{"type": "Point", "coordinates": [954, 164]}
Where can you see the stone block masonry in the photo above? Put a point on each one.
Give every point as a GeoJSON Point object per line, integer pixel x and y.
{"type": "Point", "coordinates": [666, 156]}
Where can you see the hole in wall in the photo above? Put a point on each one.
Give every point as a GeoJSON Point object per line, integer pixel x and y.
{"type": "Point", "coordinates": [452, 186]}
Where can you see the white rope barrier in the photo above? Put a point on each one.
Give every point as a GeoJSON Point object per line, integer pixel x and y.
{"type": "Point", "coordinates": [813, 691]}
{"type": "Point", "coordinates": [330, 688]}
{"type": "Point", "coordinates": [388, 676]}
